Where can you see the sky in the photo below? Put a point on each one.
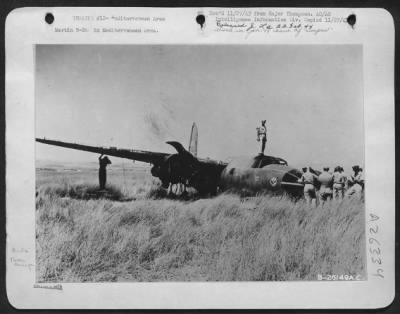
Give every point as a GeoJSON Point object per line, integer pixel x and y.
{"type": "Point", "coordinates": [139, 96]}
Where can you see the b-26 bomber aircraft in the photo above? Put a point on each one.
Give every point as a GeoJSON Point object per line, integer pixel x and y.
{"type": "Point", "coordinates": [254, 174]}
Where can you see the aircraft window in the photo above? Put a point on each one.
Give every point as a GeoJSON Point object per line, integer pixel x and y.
{"type": "Point", "coordinates": [258, 163]}
{"type": "Point", "coordinates": [283, 162]}
{"type": "Point", "coordinates": [265, 162]}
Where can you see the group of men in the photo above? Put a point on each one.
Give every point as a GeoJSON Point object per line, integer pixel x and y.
{"type": "Point", "coordinates": [332, 185]}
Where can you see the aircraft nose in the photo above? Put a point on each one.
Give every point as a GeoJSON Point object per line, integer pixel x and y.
{"type": "Point", "coordinates": [290, 182]}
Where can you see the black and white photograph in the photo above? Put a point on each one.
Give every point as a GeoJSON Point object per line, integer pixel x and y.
{"type": "Point", "coordinates": [200, 158]}
{"type": "Point", "coordinates": [199, 163]}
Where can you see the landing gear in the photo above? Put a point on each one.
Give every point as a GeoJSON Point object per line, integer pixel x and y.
{"type": "Point", "coordinates": [177, 189]}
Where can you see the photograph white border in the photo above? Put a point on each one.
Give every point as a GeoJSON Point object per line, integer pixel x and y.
{"type": "Point", "coordinates": [25, 28]}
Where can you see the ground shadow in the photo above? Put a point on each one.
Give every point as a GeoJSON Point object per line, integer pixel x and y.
{"type": "Point", "coordinates": [85, 192]}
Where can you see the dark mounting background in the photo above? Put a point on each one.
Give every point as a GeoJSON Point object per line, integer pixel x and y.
{"type": "Point", "coordinates": [8, 5]}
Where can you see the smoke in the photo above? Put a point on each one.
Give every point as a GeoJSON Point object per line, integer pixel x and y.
{"type": "Point", "coordinates": [154, 125]}
{"type": "Point", "coordinates": [159, 127]}
{"type": "Point", "coordinates": [161, 121]}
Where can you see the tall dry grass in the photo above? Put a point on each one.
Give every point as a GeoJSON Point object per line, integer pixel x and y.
{"type": "Point", "coordinates": [225, 238]}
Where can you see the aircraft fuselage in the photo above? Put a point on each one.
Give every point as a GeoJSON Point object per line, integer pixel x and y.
{"type": "Point", "coordinates": [244, 174]}
{"type": "Point", "coordinates": [274, 178]}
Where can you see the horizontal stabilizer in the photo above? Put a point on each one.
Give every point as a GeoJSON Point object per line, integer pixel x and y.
{"type": "Point", "coordinates": [178, 146]}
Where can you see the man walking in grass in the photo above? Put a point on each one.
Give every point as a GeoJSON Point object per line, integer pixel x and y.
{"type": "Point", "coordinates": [326, 180]}
{"type": "Point", "coordinates": [103, 162]}
{"type": "Point", "coordinates": [339, 180]}
{"type": "Point", "coordinates": [308, 179]}
{"type": "Point", "coordinates": [356, 181]}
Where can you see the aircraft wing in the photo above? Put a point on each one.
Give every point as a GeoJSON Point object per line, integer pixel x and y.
{"type": "Point", "coordinates": [139, 155]}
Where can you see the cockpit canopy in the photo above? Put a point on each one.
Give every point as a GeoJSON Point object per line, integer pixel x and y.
{"type": "Point", "coordinates": [258, 161]}
{"type": "Point", "coordinates": [261, 161]}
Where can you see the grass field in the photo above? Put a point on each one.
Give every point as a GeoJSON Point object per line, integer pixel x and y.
{"type": "Point", "coordinates": [131, 233]}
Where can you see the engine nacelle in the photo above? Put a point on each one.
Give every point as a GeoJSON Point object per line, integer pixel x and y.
{"type": "Point", "coordinates": [177, 168]}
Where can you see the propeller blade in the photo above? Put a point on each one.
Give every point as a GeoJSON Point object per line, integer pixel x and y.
{"type": "Point", "coordinates": [292, 184]}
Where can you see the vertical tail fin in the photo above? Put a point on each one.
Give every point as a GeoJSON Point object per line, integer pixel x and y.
{"type": "Point", "coordinates": [193, 140]}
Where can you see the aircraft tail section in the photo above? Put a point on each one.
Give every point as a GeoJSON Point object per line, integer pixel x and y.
{"type": "Point", "coordinates": [194, 135]}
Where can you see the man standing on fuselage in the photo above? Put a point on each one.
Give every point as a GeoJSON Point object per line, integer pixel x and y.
{"type": "Point", "coordinates": [262, 135]}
